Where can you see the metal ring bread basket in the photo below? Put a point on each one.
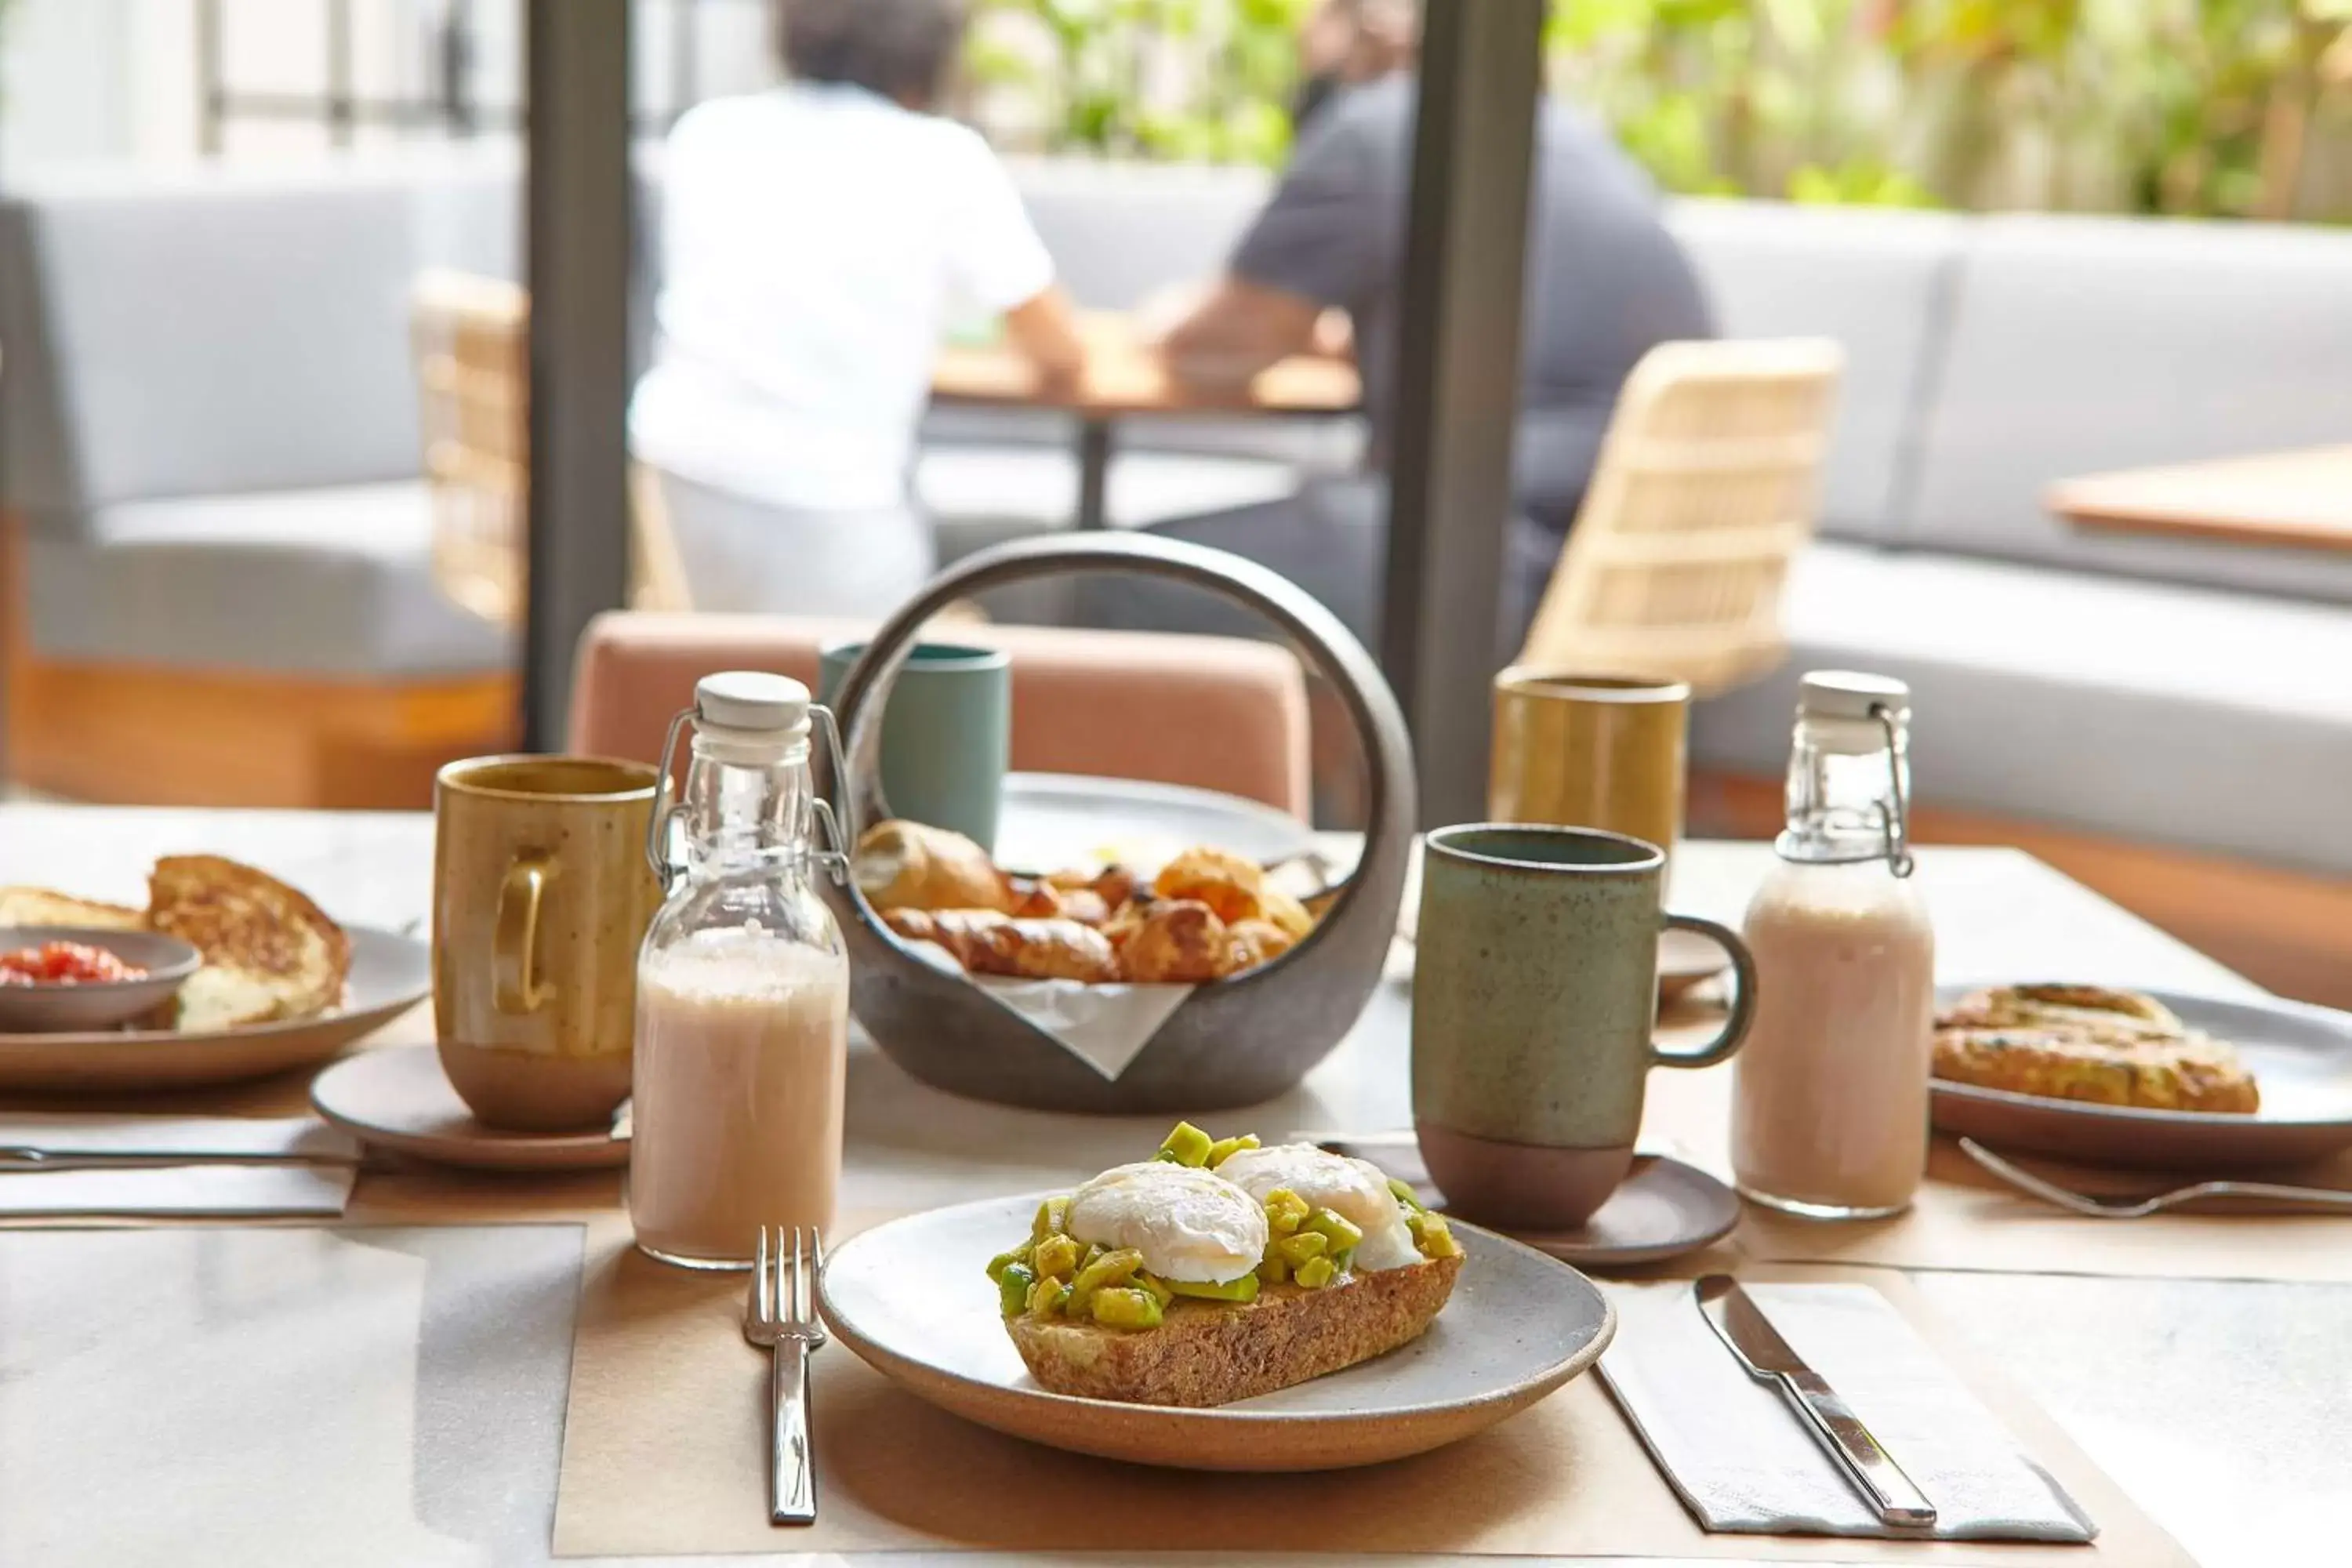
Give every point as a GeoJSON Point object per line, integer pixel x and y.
{"type": "Point", "coordinates": [1232, 1042]}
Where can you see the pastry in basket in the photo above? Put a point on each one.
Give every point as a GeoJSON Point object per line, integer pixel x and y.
{"type": "Point", "coordinates": [906, 865]}
{"type": "Point", "coordinates": [1234, 888]}
{"type": "Point", "coordinates": [1179, 941]}
{"type": "Point", "coordinates": [2093, 1044]}
{"type": "Point", "coordinates": [983, 941]}
{"type": "Point", "coordinates": [1220, 1271]}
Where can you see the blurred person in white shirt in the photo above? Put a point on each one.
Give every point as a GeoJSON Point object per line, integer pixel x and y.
{"type": "Point", "coordinates": [817, 239]}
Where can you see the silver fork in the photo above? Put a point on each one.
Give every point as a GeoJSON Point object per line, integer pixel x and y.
{"type": "Point", "coordinates": [2139, 1208]}
{"type": "Point", "coordinates": [779, 1315]}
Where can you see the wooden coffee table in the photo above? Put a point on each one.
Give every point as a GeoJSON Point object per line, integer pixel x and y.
{"type": "Point", "coordinates": [1123, 377]}
{"type": "Point", "coordinates": [2298, 500]}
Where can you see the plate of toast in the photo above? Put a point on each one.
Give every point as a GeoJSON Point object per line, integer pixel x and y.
{"type": "Point", "coordinates": [1218, 1306]}
{"type": "Point", "coordinates": [2150, 1079]}
{"type": "Point", "coordinates": [279, 984]}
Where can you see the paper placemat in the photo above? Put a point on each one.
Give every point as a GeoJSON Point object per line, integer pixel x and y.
{"type": "Point", "coordinates": [665, 1451]}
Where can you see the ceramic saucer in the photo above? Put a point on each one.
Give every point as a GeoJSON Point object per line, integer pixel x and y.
{"type": "Point", "coordinates": [397, 1099]}
{"type": "Point", "coordinates": [1663, 1208]}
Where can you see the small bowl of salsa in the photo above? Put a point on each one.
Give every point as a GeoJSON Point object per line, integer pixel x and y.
{"type": "Point", "coordinates": [56, 978]}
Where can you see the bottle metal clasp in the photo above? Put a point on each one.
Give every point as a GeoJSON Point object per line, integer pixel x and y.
{"type": "Point", "coordinates": [1896, 825]}
{"type": "Point", "coordinates": [661, 829]}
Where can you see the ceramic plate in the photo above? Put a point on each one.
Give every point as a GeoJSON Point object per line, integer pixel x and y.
{"type": "Point", "coordinates": [390, 975]}
{"type": "Point", "coordinates": [913, 1298]}
{"type": "Point", "coordinates": [2301, 1058]}
{"type": "Point", "coordinates": [398, 1098]}
{"type": "Point", "coordinates": [1054, 821]}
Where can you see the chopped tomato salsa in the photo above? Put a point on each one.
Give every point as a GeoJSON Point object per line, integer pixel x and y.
{"type": "Point", "coordinates": [64, 963]}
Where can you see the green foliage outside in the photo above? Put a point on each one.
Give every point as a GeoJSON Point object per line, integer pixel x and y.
{"type": "Point", "coordinates": [2234, 108]}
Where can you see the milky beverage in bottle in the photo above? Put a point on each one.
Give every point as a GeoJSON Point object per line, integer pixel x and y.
{"type": "Point", "coordinates": [1831, 1108]}
{"type": "Point", "coordinates": [743, 1041]}
{"type": "Point", "coordinates": [1830, 1094]}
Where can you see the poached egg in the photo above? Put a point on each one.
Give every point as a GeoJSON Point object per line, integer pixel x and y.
{"type": "Point", "coordinates": [1355, 1190]}
{"type": "Point", "coordinates": [1190, 1225]}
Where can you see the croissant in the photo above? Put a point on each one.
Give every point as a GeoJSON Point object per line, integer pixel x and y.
{"type": "Point", "coordinates": [1262, 942]}
{"type": "Point", "coordinates": [986, 942]}
{"type": "Point", "coordinates": [1232, 887]}
{"type": "Point", "coordinates": [908, 866]}
{"type": "Point", "coordinates": [1179, 941]}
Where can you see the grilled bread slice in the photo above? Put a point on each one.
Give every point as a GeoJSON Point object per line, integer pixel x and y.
{"type": "Point", "coordinates": [1213, 1352]}
{"type": "Point", "coordinates": [40, 907]}
{"type": "Point", "coordinates": [270, 953]}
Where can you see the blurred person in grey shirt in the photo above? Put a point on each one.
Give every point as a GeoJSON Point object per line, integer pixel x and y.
{"type": "Point", "coordinates": [1605, 283]}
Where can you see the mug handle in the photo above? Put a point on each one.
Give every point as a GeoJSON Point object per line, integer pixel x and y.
{"type": "Point", "coordinates": [1743, 998]}
{"type": "Point", "coordinates": [514, 942]}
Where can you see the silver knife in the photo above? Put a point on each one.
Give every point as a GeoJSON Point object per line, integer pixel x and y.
{"type": "Point", "coordinates": [1741, 1325]}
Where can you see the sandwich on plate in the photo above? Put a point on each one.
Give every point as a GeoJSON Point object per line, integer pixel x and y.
{"type": "Point", "coordinates": [1220, 1269]}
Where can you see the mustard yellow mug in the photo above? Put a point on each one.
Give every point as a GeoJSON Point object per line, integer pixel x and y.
{"type": "Point", "coordinates": [540, 896]}
{"type": "Point", "coordinates": [1589, 751]}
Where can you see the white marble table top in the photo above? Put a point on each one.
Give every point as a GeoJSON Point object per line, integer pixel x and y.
{"type": "Point", "coordinates": [2224, 1408]}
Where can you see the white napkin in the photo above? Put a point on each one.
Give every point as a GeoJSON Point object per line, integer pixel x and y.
{"type": "Point", "coordinates": [176, 1190]}
{"type": "Point", "coordinates": [1741, 1460]}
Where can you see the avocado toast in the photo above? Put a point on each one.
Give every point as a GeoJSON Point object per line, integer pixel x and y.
{"type": "Point", "coordinates": [1220, 1271]}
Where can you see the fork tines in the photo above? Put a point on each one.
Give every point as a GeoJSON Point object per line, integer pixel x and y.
{"type": "Point", "coordinates": [781, 1296]}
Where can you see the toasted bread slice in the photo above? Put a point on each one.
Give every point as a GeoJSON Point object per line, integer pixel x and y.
{"type": "Point", "coordinates": [40, 907]}
{"type": "Point", "coordinates": [1213, 1352]}
{"type": "Point", "coordinates": [270, 953]}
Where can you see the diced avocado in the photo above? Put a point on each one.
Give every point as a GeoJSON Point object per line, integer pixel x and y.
{"type": "Point", "coordinates": [1343, 1232]}
{"type": "Point", "coordinates": [1111, 1269]}
{"type": "Point", "coordinates": [1053, 1215]}
{"type": "Point", "coordinates": [1124, 1307]}
{"type": "Point", "coordinates": [1004, 1260]}
{"type": "Point", "coordinates": [1241, 1289]}
{"type": "Point", "coordinates": [1047, 1295]}
{"type": "Point", "coordinates": [1057, 1256]}
{"type": "Point", "coordinates": [1187, 1145]}
{"type": "Point", "coordinates": [1155, 1286]}
{"type": "Point", "coordinates": [1296, 1250]}
{"type": "Point", "coordinates": [1222, 1147]}
{"type": "Point", "coordinates": [1404, 1194]}
{"type": "Point", "coordinates": [1315, 1273]}
{"type": "Point", "coordinates": [1013, 1287]}
{"type": "Point", "coordinates": [1432, 1236]}
{"type": "Point", "coordinates": [1272, 1269]}
{"type": "Point", "coordinates": [1286, 1211]}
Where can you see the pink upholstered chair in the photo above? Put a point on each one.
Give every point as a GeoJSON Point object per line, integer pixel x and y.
{"type": "Point", "coordinates": [1220, 713]}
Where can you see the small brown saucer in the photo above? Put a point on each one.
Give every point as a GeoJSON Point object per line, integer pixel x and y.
{"type": "Point", "coordinates": [1663, 1208]}
{"type": "Point", "coordinates": [397, 1099]}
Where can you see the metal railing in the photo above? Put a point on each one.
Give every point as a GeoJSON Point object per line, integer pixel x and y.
{"type": "Point", "coordinates": [453, 107]}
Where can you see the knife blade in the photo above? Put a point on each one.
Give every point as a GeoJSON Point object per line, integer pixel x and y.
{"type": "Point", "coordinates": [1760, 1351]}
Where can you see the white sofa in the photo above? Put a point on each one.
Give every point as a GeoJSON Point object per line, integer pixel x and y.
{"type": "Point", "coordinates": [208, 419]}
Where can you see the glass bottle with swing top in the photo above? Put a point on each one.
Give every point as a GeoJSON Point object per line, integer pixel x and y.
{"type": "Point", "coordinates": [742, 987]}
{"type": "Point", "coordinates": [1830, 1092]}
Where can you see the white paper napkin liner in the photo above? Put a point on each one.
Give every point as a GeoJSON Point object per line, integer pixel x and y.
{"type": "Point", "coordinates": [1105, 1026]}
{"type": "Point", "coordinates": [1741, 1459]}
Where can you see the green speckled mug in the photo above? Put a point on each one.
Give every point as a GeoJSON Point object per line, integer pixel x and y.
{"type": "Point", "coordinates": [1535, 992]}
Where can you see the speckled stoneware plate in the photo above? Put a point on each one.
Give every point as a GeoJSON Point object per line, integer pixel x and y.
{"type": "Point", "coordinates": [397, 1098]}
{"type": "Point", "coordinates": [913, 1298]}
{"type": "Point", "coordinates": [390, 973]}
{"type": "Point", "coordinates": [2302, 1061]}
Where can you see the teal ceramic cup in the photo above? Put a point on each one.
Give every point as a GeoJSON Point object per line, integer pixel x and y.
{"type": "Point", "coordinates": [946, 733]}
{"type": "Point", "coordinates": [1534, 995]}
